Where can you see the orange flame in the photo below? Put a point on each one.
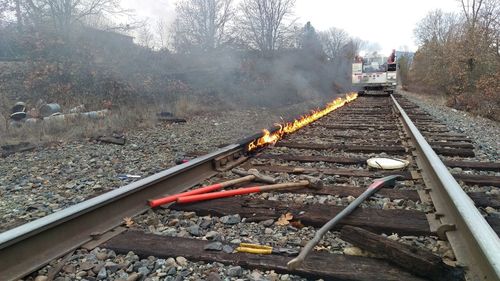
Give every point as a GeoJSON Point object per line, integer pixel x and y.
{"type": "Point", "coordinates": [290, 127]}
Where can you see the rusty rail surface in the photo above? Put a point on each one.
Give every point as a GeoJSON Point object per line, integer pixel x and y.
{"type": "Point", "coordinates": [474, 242]}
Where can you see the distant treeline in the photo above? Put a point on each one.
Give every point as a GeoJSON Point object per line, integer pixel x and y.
{"type": "Point", "coordinates": [216, 50]}
{"type": "Point", "coordinates": [459, 55]}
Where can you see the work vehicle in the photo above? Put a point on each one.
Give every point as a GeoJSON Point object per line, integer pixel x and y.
{"type": "Point", "coordinates": [375, 73]}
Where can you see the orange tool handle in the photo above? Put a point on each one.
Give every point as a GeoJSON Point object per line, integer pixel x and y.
{"type": "Point", "coordinates": [172, 198]}
{"type": "Point", "coordinates": [220, 194]}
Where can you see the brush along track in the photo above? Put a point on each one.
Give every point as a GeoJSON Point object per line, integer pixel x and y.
{"type": "Point", "coordinates": [335, 148]}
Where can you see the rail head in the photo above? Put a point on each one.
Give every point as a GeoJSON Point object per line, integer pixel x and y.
{"type": "Point", "coordinates": [474, 242]}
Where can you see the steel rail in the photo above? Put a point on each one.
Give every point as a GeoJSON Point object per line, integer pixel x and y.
{"type": "Point", "coordinates": [28, 247]}
{"type": "Point", "coordinates": [474, 242]}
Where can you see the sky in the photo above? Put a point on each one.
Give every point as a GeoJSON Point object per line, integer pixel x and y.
{"type": "Point", "coordinates": [388, 23]}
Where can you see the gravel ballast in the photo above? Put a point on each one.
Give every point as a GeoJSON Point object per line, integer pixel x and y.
{"type": "Point", "coordinates": [55, 176]}
{"type": "Point", "coordinates": [484, 132]}
{"type": "Point", "coordinates": [34, 184]}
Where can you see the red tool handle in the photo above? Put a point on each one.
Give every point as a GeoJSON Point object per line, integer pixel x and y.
{"type": "Point", "coordinates": [377, 184]}
{"type": "Point", "coordinates": [220, 194]}
{"type": "Point", "coordinates": [172, 198]}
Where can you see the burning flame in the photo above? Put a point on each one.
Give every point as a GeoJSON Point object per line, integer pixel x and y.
{"type": "Point", "coordinates": [290, 127]}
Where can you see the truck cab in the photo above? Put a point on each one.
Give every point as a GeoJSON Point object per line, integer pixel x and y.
{"type": "Point", "coordinates": [374, 73]}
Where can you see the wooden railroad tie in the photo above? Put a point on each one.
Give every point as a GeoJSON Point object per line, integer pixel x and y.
{"type": "Point", "coordinates": [318, 264]}
{"type": "Point", "coordinates": [421, 262]}
{"type": "Point", "coordinates": [404, 222]}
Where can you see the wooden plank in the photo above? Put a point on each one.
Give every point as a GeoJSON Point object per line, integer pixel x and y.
{"type": "Point", "coordinates": [419, 114]}
{"type": "Point", "coordinates": [375, 122]}
{"type": "Point", "coordinates": [494, 222]}
{"type": "Point", "coordinates": [404, 222]}
{"type": "Point", "coordinates": [357, 126]}
{"type": "Point", "coordinates": [365, 111]}
{"type": "Point", "coordinates": [443, 135]}
{"type": "Point", "coordinates": [478, 180]}
{"type": "Point", "coordinates": [387, 142]}
{"type": "Point", "coordinates": [433, 130]}
{"type": "Point", "coordinates": [317, 265]}
{"type": "Point", "coordinates": [337, 141]}
{"type": "Point", "coordinates": [353, 119]}
{"type": "Point", "coordinates": [450, 139]}
{"type": "Point", "coordinates": [429, 123]}
{"type": "Point", "coordinates": [331, 171]}
{"type": "Point", "coordinates": [460, 152]}
{"type": "Point", "coordinates": [350, 135]}
{"type": "Point", "coordinates": [481, 199]}
{"type": "Point", "coordinates": [347, 148]}
{"type": "Point", "coordinates": [344, 191]}
{"type": "Point", "coordinates": [369, 116]}
{"type": "Point", "coordinates": [311, 158]}
{"type": "Point", "coordinates": [418, 261]}
{"type": "Point", "coordinates": [451, 144]}
{"type": "Point", "coordinates": [485, 166]}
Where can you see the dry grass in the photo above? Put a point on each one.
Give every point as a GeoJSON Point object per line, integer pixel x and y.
{"type": "Point", "coordinates": [186, 106]}
{"type": "Point", "coordinates": [120, 121]}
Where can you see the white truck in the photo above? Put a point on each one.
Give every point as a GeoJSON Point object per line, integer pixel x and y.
{"type": "Point", "coordinates": [374, 73]}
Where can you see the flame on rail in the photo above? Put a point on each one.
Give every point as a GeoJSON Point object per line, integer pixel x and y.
{"type": "Point", "coordinates": [290, 127]}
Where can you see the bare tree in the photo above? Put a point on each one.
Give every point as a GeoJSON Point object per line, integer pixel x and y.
{"type": "Point", "coordinates": [333, 41]}
{"type": "Point", "coordinates": [162, 33]}
{"type": "Point", "coordinates": [5, 6]}
{"type": "Point", "coordinates": [437, 27]}
{"type": "Point", "coordinates": [471, 9]}
{"type": "Point", "coordinates": [202, 24]}
{"type": "Point", "coordinates": [488, 24]}
{"type": "Point", "coordinates": [145, 37]}
{"type": "Point", "coordinates": [264, 23]}
{"type": "Point", "coordinates": [309, 38]}
{"type": "Point", "coordinates": [64, 14]}
{"type": "Point", "coordinates": [353, 47]}
{"type": "Point", "coordinates": [481, 30]}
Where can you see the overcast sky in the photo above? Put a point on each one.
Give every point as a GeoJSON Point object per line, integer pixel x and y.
{"type": "Point", "coordinates": [389, 23]}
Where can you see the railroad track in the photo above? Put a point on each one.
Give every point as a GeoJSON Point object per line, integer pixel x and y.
{"type": "Point", "coordinates": [427, 207]}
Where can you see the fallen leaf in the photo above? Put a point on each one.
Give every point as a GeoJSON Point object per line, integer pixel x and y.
{"type": "Point", "coordinates": [128, 221]}
{"type": "Point", "coordinates": [284, 219]}
{"type": "Point", "coordinates": [320, 248]}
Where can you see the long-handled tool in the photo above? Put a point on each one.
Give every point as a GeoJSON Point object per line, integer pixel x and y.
{"type": "Point", "coordinates": [374, 187]}
{"type": "Point", "coordinates": [250, 175]}
{"type": "Point", "coordinates": [265, 250]}
{"type": "Point", "coordinates": [247, 190]}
